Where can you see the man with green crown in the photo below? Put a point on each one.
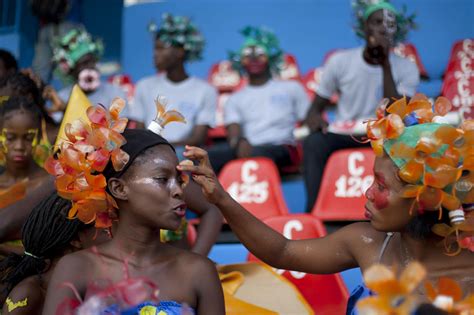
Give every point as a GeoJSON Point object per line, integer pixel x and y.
{"type": "Point", "coordinates": [361, 77]}
{"type": "Point", "coordinates": [260, 118]}
{"type": "Point", "coordinates": [177, 41]}
{"type": "Point", "coordinates": [76, 55]}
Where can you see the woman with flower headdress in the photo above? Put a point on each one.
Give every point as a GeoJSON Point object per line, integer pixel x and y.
{"type": "Point", "coordinates": [129, 176]}
{"type": "Point", "coordinates": [361, 77]}
{"type": "Point", "coordinates": [260, 117]}
{"type": "Point", "coordinates": [422, 198]}
{"type": "Point", "coordinates": [177, 42]}
{"type": "Point", "coordinates": [76, 55]}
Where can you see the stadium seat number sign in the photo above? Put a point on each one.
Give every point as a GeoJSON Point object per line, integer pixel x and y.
{"type": "Point", "coordinates": [250, 190]}
{"type": "Point", "coordinates": [354, 184]}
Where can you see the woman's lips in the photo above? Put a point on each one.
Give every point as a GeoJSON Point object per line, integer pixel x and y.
{"type": "Point", "coordinates": [368, 213]}
{"type": "Point", "coordinates": [19, 158]}
{"type": "Point", "coordinates": [180, 210]}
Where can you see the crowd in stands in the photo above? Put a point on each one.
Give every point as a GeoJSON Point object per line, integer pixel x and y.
{"type": "Point", "coordinates": [88, 203]}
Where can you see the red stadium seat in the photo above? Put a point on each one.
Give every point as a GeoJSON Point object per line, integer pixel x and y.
{"type": "Point", "coordinates": [409, 51]}
{"type": "Point", "coordinates": [311, 81]}
{"type": "Point", "coordinates": [124, 82]}
{"type": "Point", "coordinates": [290, 69]}
{"type": "Point", "coordinates": [326, 294]}
{"type": "Point", "coordinates": [225, 78]}
{"type": "Point", "coordinates": [347, 175]}
{"type": "Point", "coordinates": [255, 183]}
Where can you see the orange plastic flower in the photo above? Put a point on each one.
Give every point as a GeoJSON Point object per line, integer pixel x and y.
{"type": "Point", "coordinates": [447, 295]}
{"type": "Point", "coordinates": [393, 296]}
{"type": "Point", "coordinates": [80, 161]}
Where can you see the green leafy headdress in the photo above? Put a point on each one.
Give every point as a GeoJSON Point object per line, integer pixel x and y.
{"type": "Point", "coordinates": [261, 37]}
{"type": "Point", "coordinates": [73, 46]}
{"type": "Point", "coordinates": [364, 8]}
{"type": "Point", "coordinates": [178, 31]}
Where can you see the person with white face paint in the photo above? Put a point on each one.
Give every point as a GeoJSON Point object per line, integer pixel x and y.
{"type": "Point", "coordinates": [76, 55]}
{"type": "Point", "coordinates": [361, 77]}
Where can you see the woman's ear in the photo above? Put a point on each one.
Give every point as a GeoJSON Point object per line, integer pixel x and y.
{"type": "Point", "coordinates": [118, 188]}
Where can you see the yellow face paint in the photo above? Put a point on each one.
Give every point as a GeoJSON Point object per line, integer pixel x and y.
{"type": "Point", "coordinates": [14, 305]}
{"type": "Point", "coordinates": [8, 135]}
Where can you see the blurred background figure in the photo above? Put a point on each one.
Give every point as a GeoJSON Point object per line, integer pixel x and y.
{"type": "Point", "coordinates": [260, 118]}
{"type": "Point", "coordinates": [361, 76]}
{"type": "Point", "coordinates": [53, 24]}
{"type": "Point", "coordinates": [177, 42]}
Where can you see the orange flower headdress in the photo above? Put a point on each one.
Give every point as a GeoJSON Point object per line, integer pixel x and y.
{"type": "Point", "coordinates": [80, 159]}
{"type": "Point", "coordinates": [435, 159]}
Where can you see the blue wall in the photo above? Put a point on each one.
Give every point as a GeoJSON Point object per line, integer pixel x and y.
{"type": "Point", "coordinates": [306, 28]}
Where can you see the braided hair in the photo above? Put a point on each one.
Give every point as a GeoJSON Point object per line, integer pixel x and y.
{"type": "Point", "coordinates": [22, 85]}
{"type": "Point", "coordinates": [20, 103]}
{"type": "Point", "coordinates": [45, 235]}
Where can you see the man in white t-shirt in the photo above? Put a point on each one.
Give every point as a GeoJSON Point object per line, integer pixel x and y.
{"type": "Point", "coordinates": [362, 77]}
{"type": "Point", "coordinates": [194, 98]}
{"type": "Point", "coordinates": [261, 117]}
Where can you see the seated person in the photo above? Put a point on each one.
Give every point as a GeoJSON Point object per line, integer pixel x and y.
{"type": "Point", "coordinates": [413, 206]}
{"type": "Point", "coordinates": [76, 56]}
{"type": "Point", "coordinates": [145, 191]}
{"type": "Point", "coordinates": [177, 41]}
{"type": "Point", "coordinates": [260, 117]}
{"type": "Point", "coordinates": [362, 77]}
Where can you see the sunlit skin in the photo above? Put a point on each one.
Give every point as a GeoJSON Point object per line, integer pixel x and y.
{"type": "Point", "coordinates": [150, 197]}
{"type": "Point", "coordinates": [20, 130]}
{"type": "Point", "coordinates": [355, 245]}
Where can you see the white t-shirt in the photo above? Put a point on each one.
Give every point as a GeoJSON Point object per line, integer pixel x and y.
{"type": "Point", "coordinates": [360, 85]}
{"type": "Point", "coordinates": [194, 98]}
{"type": "Point", "coordinates": [268, 113]}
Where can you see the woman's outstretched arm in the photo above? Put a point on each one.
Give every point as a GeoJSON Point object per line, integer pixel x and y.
{"type": "Point", "coordinates": [328, 254]}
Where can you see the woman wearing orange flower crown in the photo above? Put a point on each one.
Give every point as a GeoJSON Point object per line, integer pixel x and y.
{"type": "Point", "coordinates": [21, 150]}
{"type": "Point", "coordinates": [130, 175]}
{"type": "Point", "coordinates": [419, 206]}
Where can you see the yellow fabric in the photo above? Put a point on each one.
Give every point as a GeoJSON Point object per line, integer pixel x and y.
{"type": "Point", "coordinates": [254, 288]}
{"type": "Point", "coordinates": [76, 109]}
{"type": "Point", "coordinates": [14, 305]}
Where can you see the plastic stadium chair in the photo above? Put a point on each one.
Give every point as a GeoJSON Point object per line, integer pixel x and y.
{"type": "Point", "coordinates": [327, 294]}
{"type": "Point", "coordinates": [255, 183]}
{"type": "Point", "coordinates": [347, 175]}
{"type": "Point", "coordinates": [290, 69]}
{"type": "Point", "coordinates": [408, 50]}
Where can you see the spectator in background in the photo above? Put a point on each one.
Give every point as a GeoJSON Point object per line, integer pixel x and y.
{"type": "Point", "coordinates": [260, 118]}
{"type": "Point", "coordinates": [8, 64]}
{"type": "Point", "coordinates": [177, 42]}
{"type": "Point", "coordinates": [76, 56]}
{"type": "Point", "coordinates": [51, 15]}
{"type": "Point", "coordinates": [361, 76]}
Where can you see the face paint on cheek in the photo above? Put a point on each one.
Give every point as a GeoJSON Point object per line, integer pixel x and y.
{"type": "Point", "coordinates": [380, 193]}
{"type": "Point", "coordinates": [381, 199]}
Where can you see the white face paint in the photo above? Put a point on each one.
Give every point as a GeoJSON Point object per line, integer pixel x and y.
{"type": "Point", "coordinates": [366, 239]}
{"type": "Point", "coordinates": [144, 181]}
{"type": "Point", "coordinates": [390, 23]}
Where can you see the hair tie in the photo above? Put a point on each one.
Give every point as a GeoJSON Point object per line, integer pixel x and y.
{"type": "Point", "coordinates": [31, 255]}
